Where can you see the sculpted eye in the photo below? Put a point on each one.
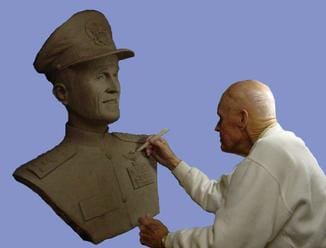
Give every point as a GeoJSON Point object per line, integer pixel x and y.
{"type": "Point", "coordinates": [100, 76]}
{"type": "Point", "coordinates": [115, 75]}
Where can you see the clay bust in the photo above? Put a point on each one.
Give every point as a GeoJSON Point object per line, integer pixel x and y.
{"type": "Point", "coordinates": [94, 180]}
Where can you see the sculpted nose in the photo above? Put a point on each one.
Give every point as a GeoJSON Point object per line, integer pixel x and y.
{"type": "Point", "coordinates": [113, 85]}
{"type": "Point", "coordinates": [111, 91]}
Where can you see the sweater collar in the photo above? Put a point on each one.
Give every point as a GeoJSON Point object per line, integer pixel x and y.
{"type": "Point", "coordinates": [271, 129]}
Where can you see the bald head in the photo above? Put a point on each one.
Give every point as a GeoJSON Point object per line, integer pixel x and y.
{"type": "Point", "coordinates": [252, 95]}
{"type": "Point", "coordinates": [246, 109]}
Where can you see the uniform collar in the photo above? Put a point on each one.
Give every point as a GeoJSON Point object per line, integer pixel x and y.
{"type": "Point", "coordinates": [83, 137]}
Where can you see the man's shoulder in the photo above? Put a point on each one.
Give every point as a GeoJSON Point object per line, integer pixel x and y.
{"type": "Point", "coordinates": [281, 143]}
{"type": "Point", "coordinates": [279, 153]}
{"type": "Point", "coordinates": [47, 162]}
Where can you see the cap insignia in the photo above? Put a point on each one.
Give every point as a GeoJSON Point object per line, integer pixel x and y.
{"type": "Point", "coordinates": [98, 33]}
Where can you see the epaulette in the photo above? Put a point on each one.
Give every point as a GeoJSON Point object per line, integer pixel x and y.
{"type": "Point", "coordinates": [135, 138]}
{"type": "Point", "coordinates": [49, 161]}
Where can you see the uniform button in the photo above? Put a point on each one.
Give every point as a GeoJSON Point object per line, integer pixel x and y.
{"type": "Point", "coordinates": [124, 200]}
{"type": "Point", "coordinates": [109, 156]}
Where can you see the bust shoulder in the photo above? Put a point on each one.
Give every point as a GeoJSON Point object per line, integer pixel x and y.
{"type": "Point", "coordinates": [47, 162]}
{"type": "Point", "coordinates": [128, 137]}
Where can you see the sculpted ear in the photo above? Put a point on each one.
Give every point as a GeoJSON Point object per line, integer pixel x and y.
{"type": "Point", "coordinates": [243, 121]}
{"type": "Point", "coordinates": [61, 93]}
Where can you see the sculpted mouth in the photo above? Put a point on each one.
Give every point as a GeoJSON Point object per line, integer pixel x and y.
{"type": "Point", "coordinates": [110, 101]}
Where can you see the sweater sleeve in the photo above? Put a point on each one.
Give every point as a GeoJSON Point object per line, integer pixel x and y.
{"type": "Point", "coordinates": [252, 215]}
{"type": "Point", "coordinates": [209, 194]}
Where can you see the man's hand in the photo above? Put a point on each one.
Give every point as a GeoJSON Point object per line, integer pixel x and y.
{"type": "Point", "coordinates": [151, 232]}
{"type": "Point", "coordinates": [161, 151]}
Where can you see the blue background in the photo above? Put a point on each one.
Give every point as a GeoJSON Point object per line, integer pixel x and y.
{"type": "Point", "coordinates": [187, 53]}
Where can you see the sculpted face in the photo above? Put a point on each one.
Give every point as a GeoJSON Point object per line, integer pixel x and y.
{"type": "Point", "coordinates": [95, 91]}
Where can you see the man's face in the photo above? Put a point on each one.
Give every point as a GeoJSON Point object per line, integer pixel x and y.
{"type": "Point", "coordinates": [230, 134]}
{"type": "Point", "coordinates": [95, 91]}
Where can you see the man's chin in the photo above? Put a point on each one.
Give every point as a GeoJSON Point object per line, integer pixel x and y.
{"type": "Point", "coordinates": [224, 149]}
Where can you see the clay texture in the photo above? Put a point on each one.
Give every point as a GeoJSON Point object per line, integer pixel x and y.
{"type": "Point", "coordinates": [94, 180]}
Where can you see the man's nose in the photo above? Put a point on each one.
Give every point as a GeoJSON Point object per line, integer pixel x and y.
{"type": "Point", "coordinates": [217, 127]}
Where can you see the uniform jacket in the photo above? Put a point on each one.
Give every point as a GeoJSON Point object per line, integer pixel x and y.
{"type": "Point", "coordinates": [95, 182]}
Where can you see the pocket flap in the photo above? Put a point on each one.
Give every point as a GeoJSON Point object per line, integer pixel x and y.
{"type": "Point", "coordinates": [97, 205]}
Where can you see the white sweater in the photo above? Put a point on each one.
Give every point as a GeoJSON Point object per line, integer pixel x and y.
{"type": "Point", "coordinates": [275, 198]}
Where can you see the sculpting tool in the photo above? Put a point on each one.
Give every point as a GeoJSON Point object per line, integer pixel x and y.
{"type": "Point", "coordinates": [160, 134]}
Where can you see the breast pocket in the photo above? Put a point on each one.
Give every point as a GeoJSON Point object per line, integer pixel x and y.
{"type": "Point", "coordinates": [142, 173]}
{"type": "Point", "coordinates": [106, 196]}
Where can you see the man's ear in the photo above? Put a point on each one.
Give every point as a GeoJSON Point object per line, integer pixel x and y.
{"type": "Point", "coordinates": [61, 93]}
{"type": "Point", "coordinates": [243, 121]}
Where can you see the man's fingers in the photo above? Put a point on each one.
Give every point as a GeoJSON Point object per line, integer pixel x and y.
{"type": "Point", "coordinates": [151, 224]}
{"type": "Point", "coordinates": [143, 221]}
{"type": "Point", "coordinates": [147, 224]}
{"type": "Point", "coordinates": [148, 230]}
{"type": "Point", "coordinates": [149, 150]}
{"type": "Point", "coordinates": [156, 140]}
{"type": "Point", "coordinates": [154, 227]}
{"type": "Point", "coordinates": [148, 216]}
{"type": "Point", "coordinates": [151, 233]}
{"type": "Point", "coordinates": [142, 228]}
{"type": "Point", "coordinates": [144, 239]}
{"type": "Point", "coordinates": [156, 144]}
{"type": "Point", "coordinates": [155, 155]}
{"type": "Point", "coordinates": [147, 219]}
{"type": "Point", "coordinates": [145, 231]}
{"type": "Point", "coordinates": [145, 236]}
{"type": "Point", "coordinates": [149, 137]}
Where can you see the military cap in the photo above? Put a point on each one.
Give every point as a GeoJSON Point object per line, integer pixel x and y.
{"type": "Point", "coordinates": [84, 36]}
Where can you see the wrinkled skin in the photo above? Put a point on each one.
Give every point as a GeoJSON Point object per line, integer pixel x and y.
{"type": "Point", "coordinates": [245, 110]}
{"type": "Point", "coordinates": [151, 232]}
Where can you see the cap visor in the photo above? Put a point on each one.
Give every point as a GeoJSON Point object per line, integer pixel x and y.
{"type": "Point", "coordinates": [121, 53]}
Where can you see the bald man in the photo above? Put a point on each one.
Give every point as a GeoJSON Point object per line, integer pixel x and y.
{"type": "Point", "coordinates": [276, 196]}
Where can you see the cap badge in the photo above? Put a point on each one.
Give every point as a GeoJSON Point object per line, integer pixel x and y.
{"type": "Point", "coordinates": [98, 33]}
